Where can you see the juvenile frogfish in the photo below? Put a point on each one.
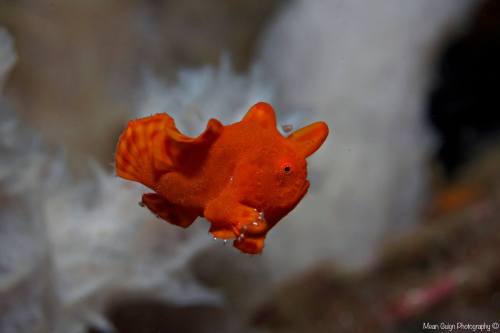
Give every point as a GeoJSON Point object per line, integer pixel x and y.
{"type": "Point", "coordinates": [243, 178]}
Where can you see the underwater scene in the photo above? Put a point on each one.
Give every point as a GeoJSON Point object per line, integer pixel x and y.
{"type": "Point", "coordinates": [278, 166]}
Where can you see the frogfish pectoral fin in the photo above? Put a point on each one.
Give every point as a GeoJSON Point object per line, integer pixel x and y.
{"type": "Point", "coordinates": [222, 233]}
{"type": "Point", "coordinates": [250, 245]}
{"type": "Point", "coordinates": [174, 214]}
{"type": "Point", "coordinates": [233, 220]}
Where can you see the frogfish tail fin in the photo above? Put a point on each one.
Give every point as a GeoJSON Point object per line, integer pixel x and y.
{"type": "Point", "coordinates": [140, 155]}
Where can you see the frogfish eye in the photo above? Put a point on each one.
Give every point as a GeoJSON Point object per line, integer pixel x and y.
{"type": "Point", "coordinates": [287, 168]}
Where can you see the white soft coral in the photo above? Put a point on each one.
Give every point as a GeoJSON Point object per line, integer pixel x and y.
{"type": "Point", "coordinates": [364, 68]}
{"type": "Point", "coordinates": [76, 245]}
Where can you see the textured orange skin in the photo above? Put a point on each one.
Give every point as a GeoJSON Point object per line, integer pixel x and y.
{"type": "Point", "coordinates": [243, 178]}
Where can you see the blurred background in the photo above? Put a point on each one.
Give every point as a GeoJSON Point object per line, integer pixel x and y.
{"type": "Point", "coordinates": [401, 225]}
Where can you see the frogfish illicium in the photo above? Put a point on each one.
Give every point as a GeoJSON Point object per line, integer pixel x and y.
{"type": "Point", "coordinates": [243, 178]}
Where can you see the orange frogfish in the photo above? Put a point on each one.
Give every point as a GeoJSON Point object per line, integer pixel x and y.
{"type": "Point", "coordinates": [243, 178]}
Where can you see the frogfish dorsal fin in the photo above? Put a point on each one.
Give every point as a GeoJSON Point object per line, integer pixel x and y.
{"type": "Point", "coordinates": [308, 139]}
{"type": "Point", "coordinates": [152, 146]}
{"type": "Point", "coordinates": [263, 114]}
{"type": "Point", "coordinates": [187, 153]}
